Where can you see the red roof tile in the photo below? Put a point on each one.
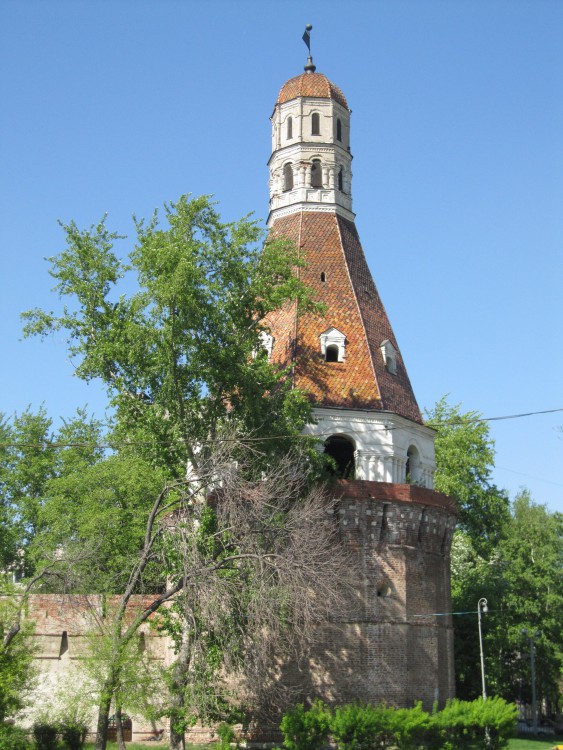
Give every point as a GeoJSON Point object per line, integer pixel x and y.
{"type": "Point", "coordinates": [331, 246]}
{"type": "Point", "coordinates": [311, 84]}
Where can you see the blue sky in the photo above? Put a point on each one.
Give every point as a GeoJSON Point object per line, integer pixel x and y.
{"type": "Point", "coordinates": [457, 134]}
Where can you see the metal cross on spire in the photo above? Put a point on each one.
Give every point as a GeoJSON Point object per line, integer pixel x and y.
{"type": "Point", "coordinates": [309, 68]}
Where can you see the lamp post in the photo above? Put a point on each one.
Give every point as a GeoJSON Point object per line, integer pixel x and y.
{"type": "Point", "coordinates": [482, 607]}
{"type": "Point", "coordinates": [531, 637]}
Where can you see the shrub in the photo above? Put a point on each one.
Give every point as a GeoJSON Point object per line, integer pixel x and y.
{"type": "Point", "coordinates": [13, 738]}
{"type": "Point", "coordinates": [488, 723]}
{"type": "Point", "coordinates": [496, 722]}
{"type": "Point", "coordinates": [73, 735]}
{"type": "Point", "coordinates": [306, 729]}
{"type": "Point", "coordinates": [411, 728]}
{"type": "Point", "coordinates": [226, 735]}
{"type": "Point", "coordinates": [45, 736]}
{"type": "Point", "coordinates": [361, 727]}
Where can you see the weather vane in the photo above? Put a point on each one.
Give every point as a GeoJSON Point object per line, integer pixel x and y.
{"type": "Point", "coordinates": [310, 68]}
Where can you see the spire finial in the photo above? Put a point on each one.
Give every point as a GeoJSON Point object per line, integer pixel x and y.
{"type": "Point", "coordinates": [310, 67]}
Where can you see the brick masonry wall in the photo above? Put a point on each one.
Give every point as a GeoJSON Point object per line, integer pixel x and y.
{"type": "Point", "coordinates": [391, 644]}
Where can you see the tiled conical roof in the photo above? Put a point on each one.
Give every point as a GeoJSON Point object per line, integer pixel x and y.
{"type": "Point", "coordinates": [332, 251]}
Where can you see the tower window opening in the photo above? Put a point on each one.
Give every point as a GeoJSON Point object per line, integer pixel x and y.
{"type": "Point", "coordinates": [385, 532]}
{"type": "Point", "coordinates": [323, 277]}
{"type": "Point", "coordinates": [64, 644]}
{"type": "Point", "coordinates": [339, 130]}
{"type": "Point", "coordinates": [335, 341]}
{"type": "Point", "coordinates": [316, 174]}
{"type": "Point", "coordinates": [332, 353]}
{"type": "Point", "coordinates": [341, 450]}
{"type": "Point", "coordinates": [287, 177]}
{"type": "Point", "coordinates": [315, 124]}
{"type": "Point", "coordinates": [341, 179]}
{"type": "Point", "coordinates": [289, 128]}
{"type": "Point", "coordinates": [422, 525]}
{"type": "Point", "coordinates": [412, 467]}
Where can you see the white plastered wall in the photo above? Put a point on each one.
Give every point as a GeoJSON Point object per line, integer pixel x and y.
{"type": "Point", "coordinates": [381, 441]}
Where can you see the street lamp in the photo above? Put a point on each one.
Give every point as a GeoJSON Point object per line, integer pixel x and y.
{"type": "Point", "coordinates": [531, 637]}
{"type": "Point", "coordinates": [482, 607]}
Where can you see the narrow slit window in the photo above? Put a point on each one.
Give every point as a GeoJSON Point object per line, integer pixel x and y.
{"type": "Point", "coordinates": [289, 128]}
{"type": "Point", "coordinates": [315, 124]}
{"type": "Point", "coordinates": [316, 174]}
{"type": "Point", "coordinates": [64, 644]}
{"type": "Point", "coordinates": [341, 179]}
{"type": "Point", "coordinates": [338, 131]}
{"type": "Point", "coordinates": [287, 177]}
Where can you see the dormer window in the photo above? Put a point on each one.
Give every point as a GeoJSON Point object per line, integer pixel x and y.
{"type": "Point", "coordinates": [315, 124]}
{"type": "Point", "coordinates": [287, 177]}
{"type": "Point", "coordinates": [333, 345]}
{"type": "Point", "coordinates": [267, 344]}
{"type": "Point", "coordinates": [389, 354]}
{"type": "Point", "coordinates": [289, 128]}
{"type": "Point", "coordinates": [316, 174]}
{"type": "Point", "coordinates": [339, 131]}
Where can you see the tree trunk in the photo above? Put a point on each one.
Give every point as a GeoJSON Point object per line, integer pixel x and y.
{"type": "Point", "coordinates": [103, 713]}
{"type": "Point", "coordinates": [119, 729]}
{"type": "Point", "coordinates": [177, 738]}
{"type": "Point", "coordinates": [177, 702]}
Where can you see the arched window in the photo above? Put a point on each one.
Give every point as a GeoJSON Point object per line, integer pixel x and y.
{"type": "Point", "coordinates": [341, 450]}
{"type": "Point", "coordinates": [331, 354]}
{"type": "Point", "coordinates": [341, 179]}
{"type": "Point", "coordinates": [315, 124]}
{"type": "Point", "coordinates": [287, 177]}
{"type": "Point", "coordinates": [338, 131]}
{"type": "Point", "coordinates": [289, 128]}
{"type": "Point", "coordinates": [389, 356]}
{"type": "Point", "coordinates": [333, 344]}
{"type": "Point", "coordinates": [316, 174]}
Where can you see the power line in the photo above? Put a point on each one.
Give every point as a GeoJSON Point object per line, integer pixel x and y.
{"type": "Point", "coordinates": [453, 422]}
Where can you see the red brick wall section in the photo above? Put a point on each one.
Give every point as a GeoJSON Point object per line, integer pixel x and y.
{"type": "Point", "coordinates": [391, 644]}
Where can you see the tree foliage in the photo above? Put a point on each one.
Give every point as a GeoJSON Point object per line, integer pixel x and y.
{"type": "Point", "coordinates": [175, 333]}
{"type": "Point", "coordinates": [32, 456]}
{"type": "Point", "coordinates": [509, 553]}
{"type": "Point", "coordinates": [532, 556]}
{"type": "Point", "coordinates": [16, 655]}
{"type": "Point", "coordinates": [185, 349]}
{"type": "Point", "coordinates": [464, 461]}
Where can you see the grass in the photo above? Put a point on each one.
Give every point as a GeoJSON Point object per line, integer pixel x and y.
{"type": "Point", "coordinates": [533, 743]}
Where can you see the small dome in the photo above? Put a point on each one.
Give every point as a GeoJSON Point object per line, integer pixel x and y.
{"type": "Point", "coordinates": [311, 84]}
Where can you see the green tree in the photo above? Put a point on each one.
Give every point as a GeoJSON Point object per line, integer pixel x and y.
{"type": "Point", "coordinates": [186, 349]}
{"type": "Point", "coordinates": [32, 455]}
{"type": "Point", "coordinates": [182, 357]}
{"type": "Point", "coordinates": [532, 556]}
{"type": "Point", "coordinates": [464, 463]}
{"type": "Point", "coordinates": [93, 523]}
{"type": "Point", "coordinates": [474, 577]}
{"type": "Point", "coordinates": [16, 653]}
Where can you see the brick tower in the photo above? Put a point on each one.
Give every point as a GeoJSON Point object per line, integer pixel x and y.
{"type": "Point", "coordinates": [391, 645]}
